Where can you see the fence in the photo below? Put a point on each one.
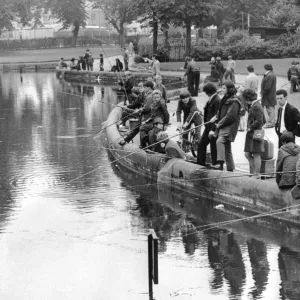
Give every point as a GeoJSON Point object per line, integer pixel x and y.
{"type": "Point", "coordinates": [48, 43]}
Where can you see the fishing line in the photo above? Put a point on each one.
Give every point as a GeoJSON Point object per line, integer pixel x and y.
{"type": "Point", "coordinates": [271, 213]}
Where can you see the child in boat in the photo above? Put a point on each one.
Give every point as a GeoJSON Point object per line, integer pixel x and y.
{"type": "Point", "coordinates": [158, 126]}
{"type": "Point", "coordinates": [171, 147]}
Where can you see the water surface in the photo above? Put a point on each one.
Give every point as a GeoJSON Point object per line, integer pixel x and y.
{"type": "Point", "coordinates": [67, 235]}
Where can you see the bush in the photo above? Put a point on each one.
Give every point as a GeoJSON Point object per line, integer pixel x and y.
{"type": "Point", "coordinates": [235, 36]}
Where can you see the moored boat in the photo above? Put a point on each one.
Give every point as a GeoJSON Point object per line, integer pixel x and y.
{"type": "Point", "coordinates": [236, 191]}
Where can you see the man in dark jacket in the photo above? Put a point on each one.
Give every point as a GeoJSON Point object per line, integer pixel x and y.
{"type": "Point", "coordinates": [127, 86]}
{"type": "Point", "coordinates": [288, 156]}
{"type": "Point", "coordinates": [288, 116]}
{"type": "Point", "coordinates": [293, 77]}
{"type": "Point", "coordinates": [228, 122]}
{"type": "Point", "coordinates": [268, 93]}
{"type": "Point", "coordinates": [220, 68]}
{"type": "Point", "coordinates": [210, 110]}
{"type": "Point", "coordinates": [191, 114]}
{"type": "Point", "coordinates": [193, 75]}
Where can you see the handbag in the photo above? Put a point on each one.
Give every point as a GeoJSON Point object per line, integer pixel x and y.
{"type": "Point", "coordinates": [258, 135]}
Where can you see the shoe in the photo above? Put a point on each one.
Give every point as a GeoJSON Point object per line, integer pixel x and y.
{"type": "Point", "coordinates": [269, 126]}
{"type": "Point", "coordinates": [122, 143]}
{"type": "Point", "coordinates": [241, 130]}
{"type": "Point", "coordinates": [217, 167]}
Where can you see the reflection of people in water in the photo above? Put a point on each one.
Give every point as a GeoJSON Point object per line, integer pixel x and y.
{"type": "Point", "coordinates": [224, 252]}
{"type": "Point", "coordinates": [289, 268]}
{"type": "Point", "coordinates": [88, 90]}
{"type": "Point", "coordinates": [190, 239]}
{"type": "Point", "coordinates": [260, 266]}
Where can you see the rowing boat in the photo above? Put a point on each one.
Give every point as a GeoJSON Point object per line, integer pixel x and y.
{"type": "Point", "coordinates": [237, 191]}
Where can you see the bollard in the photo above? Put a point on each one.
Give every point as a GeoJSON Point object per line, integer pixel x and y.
{"type": "Point", "coordinates": [152, 261]}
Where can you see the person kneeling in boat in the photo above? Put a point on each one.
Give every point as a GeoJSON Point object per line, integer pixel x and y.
{"type": "Point", "coordinates": [154, 107]}
{"type": "Point", "coordinates": [191, 115]}
{"type": "Point", "coordinates": [288, 156]}
{"type": "Point", "coordinates": [172, 149]}
{"type": "Point", "coordinates": [158, 109]}
{"type": "Point", "coordinates": [256, 119]}
{"type": "Point", "coordinates": [158, 126]}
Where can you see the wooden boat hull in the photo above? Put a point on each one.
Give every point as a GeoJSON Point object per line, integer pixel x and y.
{"type": "Point", "coordinates": [236, 191]}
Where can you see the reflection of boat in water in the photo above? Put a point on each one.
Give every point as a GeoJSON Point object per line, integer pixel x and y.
{"type": "Point", "coordinates": [289, 267]}
{"type": "Point", "coordinates": [239, 193]}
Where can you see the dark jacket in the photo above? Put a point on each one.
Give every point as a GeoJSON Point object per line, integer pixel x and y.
{"type": "Point", "coordinates": [174, 151]}
{"type": "Point", "coordinates": [291, 120]}
{"type": "Point", "coordinates": [152, 136]}
{"type": "Point", "coordinates": [163, 90]}
{"type": "Point", "coordinates": [268, 89]}
{"type": "Point", "coordinates": [188, 110]}
{"type": "Point", "coordinates": [160, 110]}
{"type": "Point", "coordinates": [256, 120]}
{"type": "Point", "coordinates": [192, 67]}
{"type": "Point", "coordinates": [138, 102]}
{"type": "Point", "coordinates": [229, 117]}
{"type": "Point", "coordinates": [146, 111]}
{"type": "Point", "coordinates": [287, 159]}
{"type": "Point", "coordinates": [210, 110]}
{"type": "Point", "coordinates": [219, 67]}
{"type": "Point", "coordinates": [293, 71]}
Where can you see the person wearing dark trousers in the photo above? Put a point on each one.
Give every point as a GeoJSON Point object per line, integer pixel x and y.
{"type": "Point", "coordinates": [86, 58]}
{"type": "Point", "coordinates": [144, 111]}
{"type": "Point", "coordinates": [288, 116]}
{"type": "Point", "coordinates": [191, 114]}
{"type": "Point", "coordinates": [268, 94]}
{"type": "Point", "coordinates": [293, 77]}
{"type": "Point", "coordinates": [228, 120]}
{"type": "Point", "coordinates": [210, 110]}
{"type": "Point", "coordinates": [193, 76]}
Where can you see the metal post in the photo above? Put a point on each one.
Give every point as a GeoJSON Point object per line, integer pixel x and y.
{"type": "Point", "coordinates": [152, 262]}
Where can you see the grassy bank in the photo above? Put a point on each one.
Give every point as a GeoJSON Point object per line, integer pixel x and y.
{"type": "Point", "coordinates": [280, 65]}
{"type": "Point", "coordinates": [53, 55]}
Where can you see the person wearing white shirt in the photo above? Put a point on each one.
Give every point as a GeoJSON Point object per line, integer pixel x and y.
{"type": "Point", "coordinates": [288, 118]}
{"type": "Point", "coordinates": [252, 80]}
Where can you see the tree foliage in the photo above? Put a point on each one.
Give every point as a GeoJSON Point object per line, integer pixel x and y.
{"type": "Point", "coordinates": [117, 13]}
{"type": "Point", "coordinates": [284, 14]}
{"type": "Point", "coordinates": [7, 14]}
{"type": "Point", "coordinates": [71, 13]}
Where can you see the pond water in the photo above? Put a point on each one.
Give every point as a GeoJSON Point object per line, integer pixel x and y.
{"type": "Point", "coordinates": [71, 227]}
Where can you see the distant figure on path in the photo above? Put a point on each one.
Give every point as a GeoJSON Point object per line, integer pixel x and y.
{"type": "Point", "coordinates": [252, 80]}
{"type": "Point", "coordinates": [86, 58]}
{"type": "Point", "coordinates": [268, 94]}
{"type": "Point", "coordinates": [288, 116]}
{"type": "Point", "coordinates": [101, 63]}
{"type": "Point", "coordinates": [91, 62]}
{"type": "Point", "coordinates": [125, 58]}
{"type": "Point", "coordinates": [220, 68]}
{"type": "Point", "coordinates": [193, 76]}
{"type": "Point", "coordinates": [293, 76]}
{"type": "Point", "coordinates": [230, 69]}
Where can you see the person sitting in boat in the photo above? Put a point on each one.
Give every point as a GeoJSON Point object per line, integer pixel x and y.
{"type": "Point", "coordinates": [158, 109]}
{"type": "Point", "coordinates": [191, 115]}
{"type": "Point", "coordinates": [73, 64]}
{"type": "Point", "coordinates": [288, 156]}
{"type": "Point", "coordinates": [158, 126]}
{"type": "Point", "coordinates": [172, 149]}
{"type": "Point", "coordinates": [228, 120]}
{"type": "Point", "coordinates": [126, 86]}
{"type": "Point", "coordinates": [61, 64]}
{"type": "Point", "coordinates": [144, 111]}
{"type": "Point", "coordinates": [161, 87]}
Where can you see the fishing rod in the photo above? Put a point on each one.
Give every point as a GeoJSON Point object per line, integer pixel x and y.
{"type": "Point", "coordinates": [123, 83]}
{"type": "Point", "coordinates": [229, 222]}
{"type": "Point", "coordinates": [147, 147]}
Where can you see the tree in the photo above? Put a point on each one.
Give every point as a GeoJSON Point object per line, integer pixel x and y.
{"type": "Point", "coordinates": [284, 14]}
{"type": "Point", "coordinates": [117, 13]}
{"type": "Point", "coordinates": [187, 13]}
{"type": "Point", "coordinates": [71, 13]}
{"type": "Point", "coordinates": [7, 14]}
